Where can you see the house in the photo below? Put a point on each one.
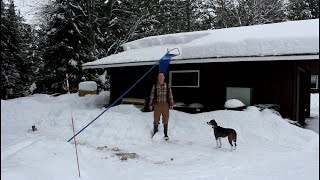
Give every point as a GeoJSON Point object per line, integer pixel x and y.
{"type": "Point", "coordinates": [261, 64]}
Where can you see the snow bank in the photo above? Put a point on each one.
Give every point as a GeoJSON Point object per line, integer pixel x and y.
{"type": "Point", "coordinates": [263, 138]}
{"type": "Point", "coordinates": [88, 86]}
{"type": "Point", "coordinates": [45, 109]}
{"type": "Point", "coordinates": [126, 124]}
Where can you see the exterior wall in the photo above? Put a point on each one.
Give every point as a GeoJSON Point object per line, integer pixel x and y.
{"type": "Point", "coordinates": [302, 105]}
{"type": "Point", "coordinates": [273, 82]}
{"type": "Point", "coordinates": [122, 78]}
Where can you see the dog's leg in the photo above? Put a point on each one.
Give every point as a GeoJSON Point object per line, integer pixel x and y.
{"type": "Point", "coordinates": [217, 143]}
{"type": "Point", "coordinates": [230, 141]}
{"type": "Point", "coordinates": [220, 142]}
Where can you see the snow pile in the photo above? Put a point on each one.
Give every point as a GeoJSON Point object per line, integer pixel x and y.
{"type": "Point", "coordinates": [233, 103]}
{"type": "Point", "coordinates": [286, 38]}
{"type": "Point", "coordinates": [180, 104]}
{"type": "Point", "coordinates": [313, 121]}
{"type": "Point", "coordinates": [263, 139]}
{"type": "Point", "coordinates": [195, 105]}
{"type": "Point", "coordinates": [88, 86]}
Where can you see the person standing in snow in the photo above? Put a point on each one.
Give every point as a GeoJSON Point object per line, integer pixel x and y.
{"type": "Point", "coordinates": [161, 100]}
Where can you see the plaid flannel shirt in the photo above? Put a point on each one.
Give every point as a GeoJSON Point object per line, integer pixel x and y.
{"type": "Point", "coordinates": [161, 94]}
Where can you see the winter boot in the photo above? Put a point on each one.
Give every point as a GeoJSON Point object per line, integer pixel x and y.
{"type": "Point", "coordinates": [165, 129]}
{"type": "Point", "coordinates": [155, 129]}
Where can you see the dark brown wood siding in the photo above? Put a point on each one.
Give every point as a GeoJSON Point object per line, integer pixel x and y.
{"type": "Point", "coordinates": [122, 78]}
{"type": "Point", "coordinates": [273, 82]}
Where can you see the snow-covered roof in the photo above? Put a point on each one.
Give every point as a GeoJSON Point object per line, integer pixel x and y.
{"type": "Point", "coordinates": [279, 41]}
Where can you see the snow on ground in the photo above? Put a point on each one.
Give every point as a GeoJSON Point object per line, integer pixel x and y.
{"type": "Point", "coordinates": [313, 121]}
{"type": "Point", "coordinates": [268, 146]}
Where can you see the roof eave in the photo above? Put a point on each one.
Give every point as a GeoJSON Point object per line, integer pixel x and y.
{"type": "Point", "coordinates": [210, 60]}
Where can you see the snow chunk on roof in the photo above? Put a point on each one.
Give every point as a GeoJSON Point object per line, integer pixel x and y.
{"type": "Point", "coordinates": [286, 38]}
{"type": "Point", "coordinates": [170, 39]}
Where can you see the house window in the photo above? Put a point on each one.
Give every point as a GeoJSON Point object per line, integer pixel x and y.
{"type": "Point", "coordinates": [185, 78]}
{"type": "Point", "coordinates": [241, 93]}
{"type": "Point", "coordinates": [314, 82]}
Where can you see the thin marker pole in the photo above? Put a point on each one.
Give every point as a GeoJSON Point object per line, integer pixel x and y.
{"type": "Point", "coordinates": [74, 132]}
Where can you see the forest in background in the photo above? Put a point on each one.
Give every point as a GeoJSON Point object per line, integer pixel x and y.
{"type": "Point", "coordinates": [36, 58]}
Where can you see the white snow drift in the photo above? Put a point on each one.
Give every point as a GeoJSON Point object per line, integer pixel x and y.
{"type": "Point", "coordinates": [268, 146]}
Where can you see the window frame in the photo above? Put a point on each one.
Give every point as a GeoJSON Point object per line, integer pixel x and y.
{"type": "Point", "coordinates": [241, 87]}
{"type": "Point", "coordinates": [317, 80]}
{"type": "Point", "coordinates": [185, 71]}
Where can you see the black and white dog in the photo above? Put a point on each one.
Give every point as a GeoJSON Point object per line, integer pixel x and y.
{"type": "Point", "coordinates": [220, 132]}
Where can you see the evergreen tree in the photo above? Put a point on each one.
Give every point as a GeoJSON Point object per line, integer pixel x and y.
{"type": "Point", "coordinates": [175, 16]}
{"type": "Point", "coordinates": [224, 17]}
{"type": "Point", "coordinates": [302, 9]}
{"type": "Point", "coordinates": [234, 13]}
{"type": "Point", "coordinates": [74, 32]}
{"type": "Point", "coordinates": [126, 20]}
{"type": "Point", "coordinates": [204, 14]}
{"type": "Point", "coordinates": [32, 54]}
{"type": "Point", "coordinates": [264, 11]}
{"type": "Point", "coordinates": [13, 66]}
{"type": "Point", "coordinates": [69, 43]}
